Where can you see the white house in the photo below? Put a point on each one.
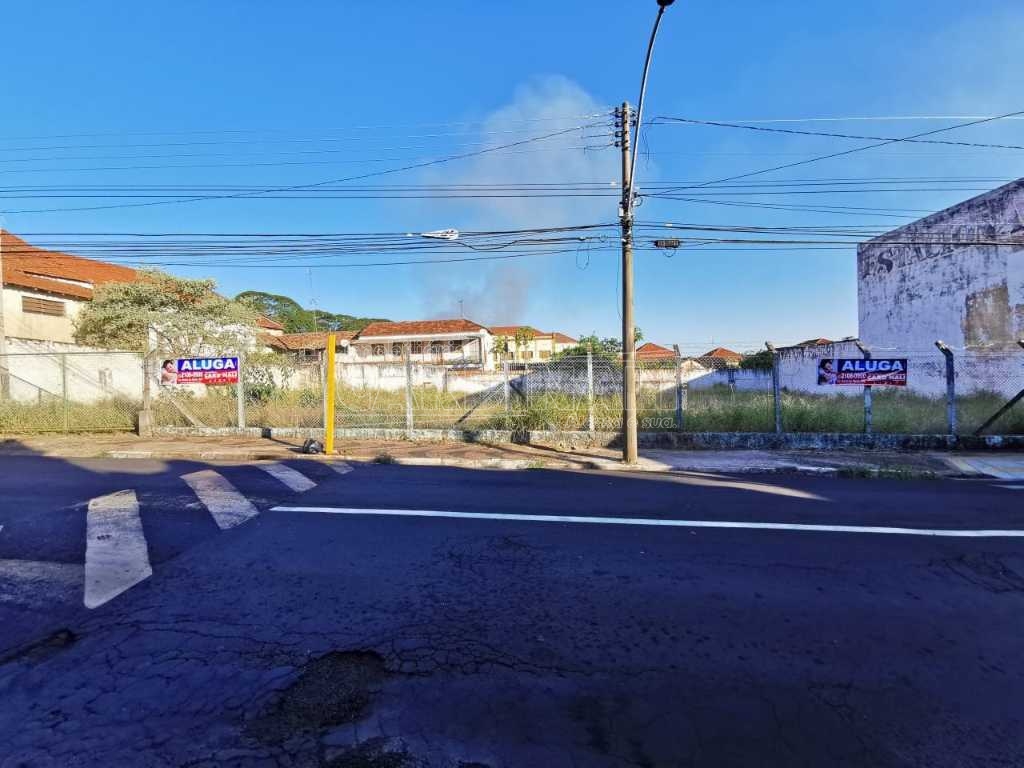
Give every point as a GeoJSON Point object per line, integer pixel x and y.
{"type": "Point", "coordinates": [461, 343]}
{"type": "Point", "coordinates": [44, 290]}
{"type": "Point", "coordinates": [535, 345]}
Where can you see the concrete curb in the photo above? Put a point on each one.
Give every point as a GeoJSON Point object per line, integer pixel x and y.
{"type": "Point", "coordinates": [708, 441]}
{"type": "Point", "coordinates": [646, 467]}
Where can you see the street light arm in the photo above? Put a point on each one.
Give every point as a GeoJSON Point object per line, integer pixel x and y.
{"type": "Point", "coordinates": [640, 107]}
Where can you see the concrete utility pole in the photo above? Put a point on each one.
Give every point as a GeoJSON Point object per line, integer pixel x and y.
{"type": "Point", "coordinates": [629, 145]}
{"type": "Point", "coordinates": [629, 427]}
{"type": "Point", "coordinates": [5, 381]}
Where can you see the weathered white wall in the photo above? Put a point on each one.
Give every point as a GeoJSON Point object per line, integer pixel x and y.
{"type": "Point", "coordinates": [36, 372]}
{"type": "Point", "coordinates": [22, 325]}
{"type": "Point", "coordinates": [388, 376]}
{"type": "Point", "coordinates": [737, 379]}
{"type": "Point", "coordinates": [952, 286]}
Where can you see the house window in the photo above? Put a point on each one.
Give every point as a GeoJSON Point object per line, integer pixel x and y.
{"type": "Point", "coordinates": [436, 348]}
{"type": "Point", "coordinates": [527, 355]}
{"type": "Point", "coordinates": [396, 349]}
{"type": "Point", "coordinates": [106, 378]}
{"type": "Point", "coordinates": [377, 350]}
{"type": "Point", "coordinates": [545, 355]}
{"type": "Point", "coordinates": [36, 306]}
{"type": "Point", "coordinates": [417, 347]}
{"type": "Point", "coordinates": [455, 345]}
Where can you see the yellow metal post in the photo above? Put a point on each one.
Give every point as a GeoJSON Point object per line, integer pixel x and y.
{"type": "Point", "coordinates": [329, 394]}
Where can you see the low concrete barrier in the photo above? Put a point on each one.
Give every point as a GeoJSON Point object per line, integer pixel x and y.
{"type": "Point", "coordinates": [705, 441]}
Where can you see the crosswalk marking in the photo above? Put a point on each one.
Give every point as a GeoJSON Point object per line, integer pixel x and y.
{"type": "Point", "coordinates": [294, 479]}
{"type": "Point", "coordinates": [116, 550]}
{"type": "Point", "coordinates": [227, 506]}
{"type": "Point", "coordinates": [116, 555]}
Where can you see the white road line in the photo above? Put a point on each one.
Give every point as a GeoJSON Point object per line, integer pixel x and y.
{"type": "Point", "coordinates": [340, 467]}
{"type": "Point", "coordinates": [294, 479]}
{"type": "Point", "coordinates": [116, 555]}
{"type": "Point", "coordinates": [227, 506]}
{"type": "Point", "coordinates": [664, 523]}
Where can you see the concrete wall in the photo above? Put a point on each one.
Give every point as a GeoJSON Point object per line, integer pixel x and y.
{"type": "Point", "coordinates": [36, 372]}
{"type": "Point", "coordinates": [389, 377]}
{"type": "Point", "coordinates": [938, 279]}
{"type": "Point", "coordinates": [737, 379]}
{"type": "Point", "coordinates": [22, 325]}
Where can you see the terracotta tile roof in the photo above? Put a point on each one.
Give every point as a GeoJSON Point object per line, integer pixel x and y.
{"type": "Point", "coordinates": [270, 325]}
{"type": "Point", "coordinates": [814, 343]}
{"type": "Point", "coordinates": [420, 328]}
{"type": "Point", "coordinates": [561, 338]}
{"type": "Point", "coordinates": [722, 353]}
{"type": "Point", "coordinates": [511, 330]}
{"type": "Point", "coordinates": [26, 266]}
{"type": "Point", "coordinates": [651, 351]}
{"type": "Point", "coordinates": [713, 363]}
{"type": "Point", "coordinates": [296, 342]}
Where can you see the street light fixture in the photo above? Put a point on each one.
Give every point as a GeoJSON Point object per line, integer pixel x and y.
{"type": "Point", "coordinates": [629, 154]}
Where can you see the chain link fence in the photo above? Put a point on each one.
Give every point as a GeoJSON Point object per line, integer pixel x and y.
{"type": "Point", "coordinates": [69, 392]}
{"type": "Point", "coordinates": [274, 392]}
{"type": "Point", "coordinates": [947, 392]}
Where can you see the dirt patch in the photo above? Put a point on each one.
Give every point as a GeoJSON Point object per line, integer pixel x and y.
{"type": "Point", "coordinates": [332, 690]}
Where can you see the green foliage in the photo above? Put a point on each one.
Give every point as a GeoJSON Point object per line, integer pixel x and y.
{"type": "Point", "coordinates": [186, 316]}
{"type": "Point", "coordinates": [608, 348]}
{"type": "Point", "coordinates": [296, 319]}
{"type": "Point", "coordinates": [757, 361]}
{"type": "Point", "coordinates": [523, 338]}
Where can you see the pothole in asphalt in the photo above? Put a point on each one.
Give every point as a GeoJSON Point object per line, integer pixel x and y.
{"type": "Point", "coordinates": [989, 571]}
{"type": "Point", "coordinates": [332, 690]}
{"type": "Point", "coordinates": [44, 648]}
{"type": "Point", "coordinates": [373, 753]}
{"type": "Point", "coordinates": [385, 753]}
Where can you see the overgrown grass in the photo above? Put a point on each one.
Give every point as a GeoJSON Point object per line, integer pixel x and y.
{"type": "Point", "coordinates": [115, 414]}
{"type": "Point", "coordinates": [714, 410]}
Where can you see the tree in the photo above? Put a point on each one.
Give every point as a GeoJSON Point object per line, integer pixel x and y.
{"type": "Point", "coordinates": [757, 361]}
{"type": "Point", "coordinates": [185, 317]}
{"type": "Point", "coordinates": [609, 347]}
{"type": "Point", "coordinates": [523, 337]}
{"type": "Point", "coordinates": [296, 319]}
{"type": "Point", "coordinates": [500, 347]}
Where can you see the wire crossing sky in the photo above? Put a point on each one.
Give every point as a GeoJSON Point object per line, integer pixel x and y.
{"type": "Point", "coordinates": [233, 141]}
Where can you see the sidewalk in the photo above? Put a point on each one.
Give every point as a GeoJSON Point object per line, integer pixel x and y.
{"type": "Point", "coordinates": [514, 456]}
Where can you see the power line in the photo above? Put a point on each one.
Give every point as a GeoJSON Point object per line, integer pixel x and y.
{"type": "Point", "coordinates": [692, 121]}
{"type": "Point", "coordinates": [604, 111]}
{"type": "Point", "coordinates": [295, 187]}
{"type": "Point", "coordinates": [867, 118]}
{"type": "Point", "coordinates": [860, 149]}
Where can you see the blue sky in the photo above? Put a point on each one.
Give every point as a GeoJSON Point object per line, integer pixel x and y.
{"type": "Point", "coordinates": [276, 83]}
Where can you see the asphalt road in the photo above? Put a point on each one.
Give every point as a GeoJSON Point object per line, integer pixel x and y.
{"type": "Point", "coordinates": [632, 635]}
